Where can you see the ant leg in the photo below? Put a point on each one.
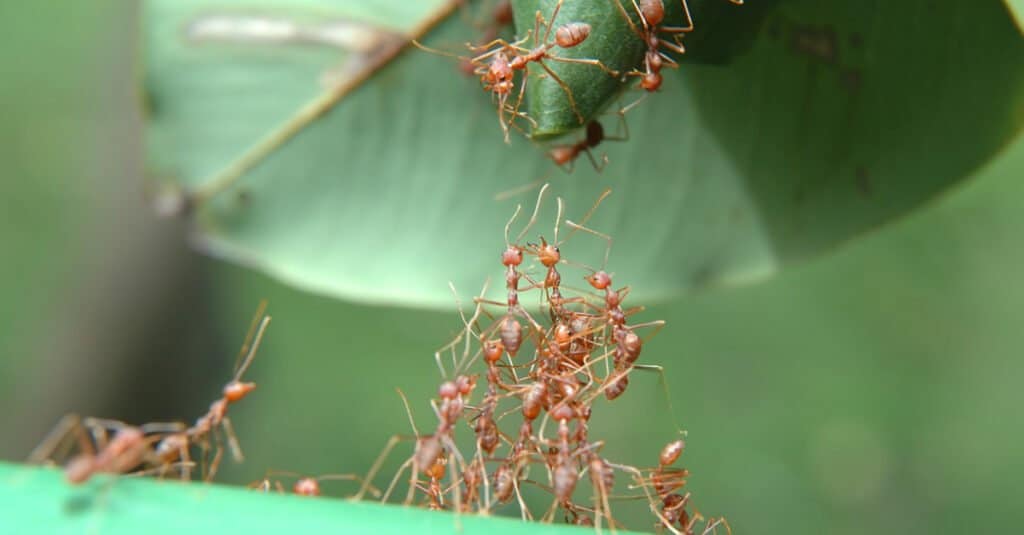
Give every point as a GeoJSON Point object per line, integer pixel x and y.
{"type": "Point", "coordinates": [515, 45]}
{"type": "Point", "coordinates": [622, 117]}
{"type": "Point", "coordinates": [606, 237]}
{"type": "Point", "coordinates": [539, 20]}
{"type": "Point", "coordinates": [515, 110]}
{"type": "Point", "coordinates": [349, 477]}
{"type": "Point", "coordinates": [260, 310]}
{"type": "Point", "coordinates": [162, 428]}
{"type": "Point", "coordinates": [583, 61]}
{"type": "Point", "coordinates": [182, 465]}
{"type": "Point", "coordinates": [597, 167]}
{"type": "Point", "coordinates": [533, 217]}
{"type": "Point", "coordinates": [689, 20]}
{"type": "Point", "coordinates": [629, 20]}
{"type": "Point", "coordinates": [524, 511]}
{"type": "Point", "coordinates": [214, 464]}
{"type": "Point", "coordinates": [232, 438]}
{"type": "Point", "coordinates": [261, 327]}
{"type": "Point", "coordinates": [186, 463]}
{"type": "Point", "coordinates": [377, 464]}
{"type": "Point", "coordinates": [68, 425]}
{"type": "Point", "coordinates": [394, 481]}
{"type": "Point", "coordinates": [501, 116]}
{"type": "Point", "coordinates": [664, 388]}
{"type": "Point", "coordinates": [565, 87]}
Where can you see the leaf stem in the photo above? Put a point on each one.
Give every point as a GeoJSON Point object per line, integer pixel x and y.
{"type": "Point", "coordinates": [310, 112]}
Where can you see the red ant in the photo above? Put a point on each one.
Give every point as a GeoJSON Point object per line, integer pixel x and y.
{"type": "Point", "coordinates": [565, 155]}
{"type": "Point", "coordinates": [652, 14]}
{"type": "Point", "coordinates": [305, 485]}
{"type": "Point", "coordinates": [496, 68]}
{"type": "Point", "coordinates": [501, 16]}
{"type": "Point", "coordinates": [129, 448]}
{"type": "Point", "coordinates": [176, 446]}
{"type": "Point", "coordinates": [431, 452]}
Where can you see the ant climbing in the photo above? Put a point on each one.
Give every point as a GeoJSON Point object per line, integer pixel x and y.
{"type": "Point", "coordinates": [496, 67]}
{"type": "Point", "coordinates": [500, 16]}
{"type": "Point", "coordinates": [215, 422]}
{"type": "Point", "coordinates": [652, 14]}
{"type": "Point", "coordinates": [565, 155]}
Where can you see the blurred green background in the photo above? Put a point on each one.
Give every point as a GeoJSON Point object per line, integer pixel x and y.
{"type": "Point", "coordinates": [876, 389]}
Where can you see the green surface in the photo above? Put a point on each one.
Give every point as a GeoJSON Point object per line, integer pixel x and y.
{"type": "Point", "coordinates": [873, 390]}
{"type": "Point", "coordinates": [45, 503]}
{"type": "Point", "coordinates": [386, 197]}
{"type": "Point", "coordinates": [1016, 7]}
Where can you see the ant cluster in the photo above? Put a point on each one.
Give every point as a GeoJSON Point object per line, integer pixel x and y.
{"type": "Point", "coordinates": [155, 448]}
{"type": "Point", "coordinates": [498, 62]}
{"type": "Point", "coordinates": [539, 368]}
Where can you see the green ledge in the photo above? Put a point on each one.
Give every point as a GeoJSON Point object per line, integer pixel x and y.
{"type": "Point", "coordinates": [38, 500]}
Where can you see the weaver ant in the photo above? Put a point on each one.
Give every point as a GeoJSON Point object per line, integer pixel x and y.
{"type": "Point", "coordinates": [652, 14]}
{"type": "Point", "coordinates": [500, 16]}
{"type": "Point", "coordinates": [215, 422]}
{"type": "Point", "coordinates": [130, 447]}
{"type": "Point", "coordinates": [496, 67]}
{"type": "Point", "coordinates": [305, 485]}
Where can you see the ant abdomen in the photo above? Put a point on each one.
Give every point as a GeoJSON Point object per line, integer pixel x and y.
{"type": "Point", "coordinates": [572, 34]}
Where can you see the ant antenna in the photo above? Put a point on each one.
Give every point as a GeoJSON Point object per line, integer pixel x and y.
{"type": "Point", "coordinates": [508, 225]}
{"type": "Point", "coordinates": [408, 412]}
{"type": "Point", "coordinates": [252, 350]}
{"type": "Point", "coordinates": [558, 218]}
{"type": "Point", "coordinates": [536, 210]}
{"type": "Point", "coordinates": [260, 310]}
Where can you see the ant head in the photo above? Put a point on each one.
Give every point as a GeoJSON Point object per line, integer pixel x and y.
{"type": "Point", "coordinates": [600, 280]}
{"type": "Point", "coordinates": [437, 470]}
{"type": "Point", "coordinates": [651, 81]}
{"type": "Point", "coordinates": [548, 254]}
{"type": "Point", "coordinates": [465, 384]}
{"type": "Point", "coordinates": [513, 256]}
{"type": "Point", "coordinates": [236, 390]}
{"type": "Point", "coordinates": [517, 63]}
{"type": "Point", "coordinates": [493, 351]}
{"type": "Point", "coordinates": [306, 486]}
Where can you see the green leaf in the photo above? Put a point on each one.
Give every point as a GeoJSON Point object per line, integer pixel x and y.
{"type": "Point", "coordinates": [840, 117]}
{"type": "Point", "coordinates": [1016, 8]}
{"type": "Point", "coordinates": [616, 42]}
{"type": "Point", "coordinates": [40, 498]}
